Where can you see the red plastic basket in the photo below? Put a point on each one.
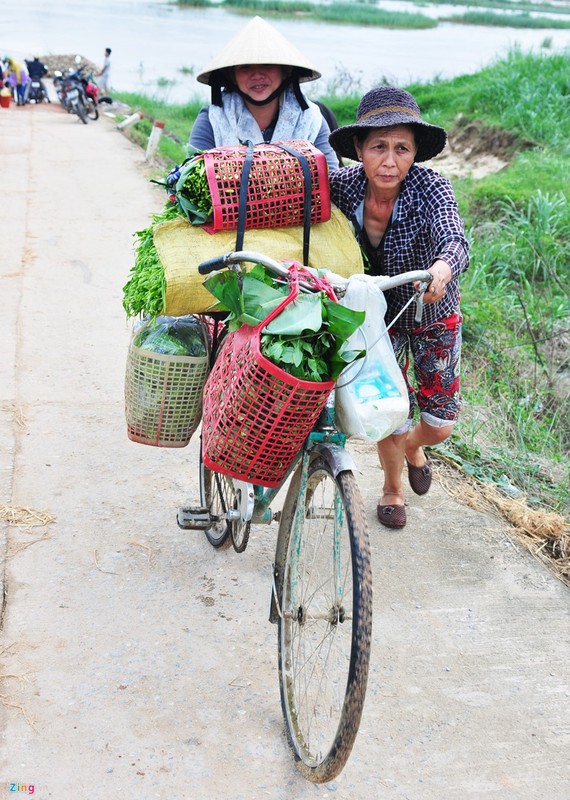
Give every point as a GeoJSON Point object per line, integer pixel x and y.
{"type": "Point", "coordinates": [276, 186]}
{"type": "Point", "coordinates": [255, 415]}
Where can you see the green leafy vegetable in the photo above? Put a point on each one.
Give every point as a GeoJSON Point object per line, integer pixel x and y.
{"type": "Point", "coordinates": [145, 291]}
{"type": "Point", "coordinates": [307, 339]}
{"type": "Point", "coordinates": [193, 193]}
{"type": "Point", "coordinates": [174, 336]}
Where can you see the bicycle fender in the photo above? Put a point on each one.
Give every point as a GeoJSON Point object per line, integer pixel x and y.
{"type": "Point", "coordinates": [338, 459]}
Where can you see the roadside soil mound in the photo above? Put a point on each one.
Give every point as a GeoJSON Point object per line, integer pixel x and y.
{"type": "Point", "coordinates": [476, 149]}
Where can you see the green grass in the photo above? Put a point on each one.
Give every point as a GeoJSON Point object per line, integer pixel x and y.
{"type": "Point", "coordinates": [521, 93]}
{"type": "Point", "coordinates": [178, 119]}
{"type": "Point", "coordinates": [492, 19]}
{"type": "Point", "coordinates": [352, 13]}
{"type": "Point", "coordinates": [511, 5]}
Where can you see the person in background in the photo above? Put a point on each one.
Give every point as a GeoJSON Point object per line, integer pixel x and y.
{"type": "Point", "coordinates": [406, 218]}
{"type": "Point", "coordinates": [17, 79]}
{"type": "Point", "coordinates": [103, 76]}
{"type": "Point", "coordinates": [37, 70]}
{"type": "Point", "coordinates": [256, 95]}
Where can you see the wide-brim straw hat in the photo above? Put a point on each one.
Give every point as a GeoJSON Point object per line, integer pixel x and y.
{"type": "Point", "coordinates": [382, 108]}
{"type": "Point", "coordinates": [260, 43]}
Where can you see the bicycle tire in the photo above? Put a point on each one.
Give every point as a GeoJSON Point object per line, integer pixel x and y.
{"type": "Point", "coordinates": [240, 534]}
{"type": "Point", "coordinates": [217, 495]}
{"type": "Point", "coordinates": [325, 624]}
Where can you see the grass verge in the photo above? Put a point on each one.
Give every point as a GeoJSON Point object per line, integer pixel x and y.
{"type": "Point", "coordinates": [353, 13]}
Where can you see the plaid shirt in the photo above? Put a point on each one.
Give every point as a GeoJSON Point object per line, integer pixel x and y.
{"type": "Point", "coordinates": [426, 226]}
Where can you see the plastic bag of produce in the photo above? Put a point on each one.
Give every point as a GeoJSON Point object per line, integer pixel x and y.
{"type": "Point", "coordinates": [167, 367]}
{"type": "Point", "coordinates": [371, 399]}
{"type": "Point", "coordinates": [173, 336]}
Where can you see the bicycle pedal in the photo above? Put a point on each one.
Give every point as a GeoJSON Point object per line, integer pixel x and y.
{"type": "Point", "coordinates": [193, 518]}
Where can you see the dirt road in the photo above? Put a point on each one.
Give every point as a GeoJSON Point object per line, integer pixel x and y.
{"type": "Point", "coordinates": [135, 661]}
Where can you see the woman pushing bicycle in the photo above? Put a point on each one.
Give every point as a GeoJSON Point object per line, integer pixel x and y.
{"type": "Point", "coordinates": [406, 218]}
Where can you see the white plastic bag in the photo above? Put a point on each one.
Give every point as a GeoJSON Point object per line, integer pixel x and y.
{"type": "Point", "coordinates": [371, 398]}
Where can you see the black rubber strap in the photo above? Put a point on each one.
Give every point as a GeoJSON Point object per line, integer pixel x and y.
{"type": "Point", "coordinates": [244, 182]}
{"type": "Point", "coordinates": [308, 181]}
{"type": "Point", "coordinates": [308, 195]}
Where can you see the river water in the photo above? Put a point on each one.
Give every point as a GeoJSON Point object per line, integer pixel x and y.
{"type": "Point", "coordinates": [158, 47]}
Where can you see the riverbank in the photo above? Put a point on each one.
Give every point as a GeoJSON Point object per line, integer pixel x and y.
{"type": "Point", "coordinates": [403, 13]}
{"type": "Point", "coordinates": [159, 48]}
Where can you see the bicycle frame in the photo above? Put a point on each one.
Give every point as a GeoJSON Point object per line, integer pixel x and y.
{"type": "Point", "coordinates": [321, 439]}
{"type": "Point", "coordinates": [321, 592]}
{"type": "Point", "coordinates": [256, 500]}
{"type": "Point", "coordinates": [325, 441]}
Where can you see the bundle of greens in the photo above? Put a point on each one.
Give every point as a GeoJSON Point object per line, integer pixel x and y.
{"type": "Point", "coordinates": [189, 196]}
{"type": "Point", "coordinates": [307, 339]}
{"type": "Point", "coordinates": [192, 192]}
{"type": "Point", "coordinates": [145, 291]}
{"type": "Point", "coordinates": [164, 397]}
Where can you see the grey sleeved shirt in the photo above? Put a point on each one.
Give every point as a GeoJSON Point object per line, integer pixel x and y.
{"type": "Point", "coordinates": [202, 137]}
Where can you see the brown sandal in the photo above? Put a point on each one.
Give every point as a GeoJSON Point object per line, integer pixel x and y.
{"type": "Point", "coordinates": [420, 477]}
{"type": "Point", "coordinates": [391, 516]}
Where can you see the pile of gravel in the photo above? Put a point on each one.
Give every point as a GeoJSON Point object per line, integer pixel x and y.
{"type": "Point", "coordinates": [65, 62]}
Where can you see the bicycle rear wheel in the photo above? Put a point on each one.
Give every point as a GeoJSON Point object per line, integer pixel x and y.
{"type": "Point", "coordinates": [217, 495]}
{"type": "Point", "coordinates": [220, 496]}
{"type": "Point", "coordinates": [326, 619]}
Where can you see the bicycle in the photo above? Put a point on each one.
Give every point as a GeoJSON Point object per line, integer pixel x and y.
{"type": "Point", "coordinates": [321, 596]}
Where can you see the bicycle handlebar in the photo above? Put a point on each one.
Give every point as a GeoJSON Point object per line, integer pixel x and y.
{"type": "Point", "coordinates": [337, 282]}
{"type": "Point", "coordinates": [214, 264]}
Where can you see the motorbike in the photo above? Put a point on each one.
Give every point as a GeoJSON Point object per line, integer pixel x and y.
{"type": "Point", "coordinates": [90, 89]}
{"type": "Point", "coordinates": [71, 94]}
{"type": "Point", "coordinates": [36, 90]}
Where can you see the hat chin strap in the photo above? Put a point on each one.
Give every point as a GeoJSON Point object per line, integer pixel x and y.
{"type": "Point", "coordinates": [279, 91]}
{"type": "Point", "coordinates": [292, 80]}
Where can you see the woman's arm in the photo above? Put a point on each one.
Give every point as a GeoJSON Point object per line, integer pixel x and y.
{"type": "Point", "coordinates": [447, 231]}
{"type": "Point", "coordinates": [202, 134]}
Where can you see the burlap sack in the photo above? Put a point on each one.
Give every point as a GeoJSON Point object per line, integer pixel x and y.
{"type": "Point", "coordinates": [182, 246]}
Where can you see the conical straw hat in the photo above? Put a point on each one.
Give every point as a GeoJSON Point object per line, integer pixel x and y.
{"type": "Point", "coordinates": [259, 43]}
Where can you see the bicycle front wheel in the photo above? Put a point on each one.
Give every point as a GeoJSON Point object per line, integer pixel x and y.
{"type": "Point", "coordinates": [326, 619]}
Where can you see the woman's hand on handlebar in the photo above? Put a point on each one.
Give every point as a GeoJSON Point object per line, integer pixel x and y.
{"type": "Point", "coordinates": [437, 289]}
